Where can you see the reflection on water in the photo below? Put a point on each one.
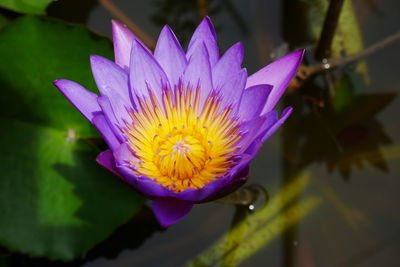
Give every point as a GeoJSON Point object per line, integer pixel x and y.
{"type": "Point", "coordinates": [345, 125]}
{"type": "Point", "coordinates": [257, 230]}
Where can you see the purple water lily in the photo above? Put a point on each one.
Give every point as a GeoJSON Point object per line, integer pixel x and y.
{"type": "Point", "coordinates": [181, 128]}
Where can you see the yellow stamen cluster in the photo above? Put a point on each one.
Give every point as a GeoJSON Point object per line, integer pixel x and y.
{"type": "Point", "coordinates": [179, 144]}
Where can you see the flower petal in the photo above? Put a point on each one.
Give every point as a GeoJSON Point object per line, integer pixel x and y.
{"type": "Point", "coordinates": [253, 148]}
{"type": "Point", "coordinates": [111, 80]}
{"type": "Point", "coordinates": [217, 188]}
{"type": "Point", "coordinates": [122, 40]}
{"type": "Point", "coordinates": [228, 77]}
{"type": "Point", "coordinates": [170, 55]}
{"type": "Point", "coordinates": [285, 114]}
{"type": "Point", "coordinates": [116, 118]}
{"type": "Point", "coordinates": [204, 33]}
{"type": "Point", "coordinates": [233, 90]}
{"type": "Point", "coordinates": [84, 100]}
{"type": "Point", "coordinates": [169, 211]}
{"type": "Point", "coordinates": [145, 73]}
{"type": "Point", "coordinates": [124, 157]}
{"type": "Point", "coordinates": [150, 188]}
{"type": "Point", "coordinates": [228, 66]}
{"type": "Point", "coordinates": [106, 159]}
{"type": "Point", "coordinates": [250, 130]}
{"type": "Point", "coordinates": [143, 184]}
{"type": "Point", "coordinates": [253, 101]}
{"type": "Point", "coordinates": [198, 73]}
{"type": "Point", "coordinates": [104, 128]}
{"type": "Point", "coordinates": [233, 181]}
{"type": "Point", "coordinates": [252, 140]}
{"type": "Point", "coordinates": [270, 119]}
{"type": "Point", "coordinates": [279, 73]}
{"type": "Point", "coordinates": [117, 108]}
{"type": "Point", "coordinates": [123, 154]}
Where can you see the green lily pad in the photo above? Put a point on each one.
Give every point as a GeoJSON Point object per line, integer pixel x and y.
{"type": "Point", "coordinates": [3, 21]}
{"type": "Point", "coordinates": [55, 201]}
{"type": "Point", "coordinates": [26, 6]}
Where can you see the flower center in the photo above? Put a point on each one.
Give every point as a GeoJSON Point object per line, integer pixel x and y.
{"type": "Point", "coordinates": [180, 156]}
{"type": "Point", "coordinates": [179, 145]}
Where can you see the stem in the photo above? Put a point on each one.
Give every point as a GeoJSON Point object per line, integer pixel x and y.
{"type": "Point", "coordinates": [340, 62]}
{"type": "Point", "coordinates": [121, 16]}
{"type": "Point", "coordinates": [329, 28]}
{"type": "Point", "coordinates": [306, 72]}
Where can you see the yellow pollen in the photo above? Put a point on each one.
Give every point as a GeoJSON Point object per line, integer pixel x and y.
{"type": "Point", "coordinates": [179, 144]}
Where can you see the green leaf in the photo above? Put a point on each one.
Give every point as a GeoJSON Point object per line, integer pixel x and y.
{"type": "Point", "coordinates": [3, 21]}
{"type": "Point", "coordinates": [55, 201]}
{"type": "Point", "coordinates": [37, 7]}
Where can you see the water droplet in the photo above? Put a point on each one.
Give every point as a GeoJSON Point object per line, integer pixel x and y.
{"type": "Point", "coordinates": [325, 64]}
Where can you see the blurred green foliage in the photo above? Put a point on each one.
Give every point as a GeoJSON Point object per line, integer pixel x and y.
{"type": "Point", "coordinates": [36, 7]}
{"type": "Point", "coordinates": [55, 201]}
{"type": "Point", "coordinates": [3, 21]}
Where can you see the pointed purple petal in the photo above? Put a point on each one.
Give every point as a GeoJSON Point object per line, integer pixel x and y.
{"type": "Point", "coordinates": [115, 110]}
{"type": "Point", "coordinates": [169, 211]}
{"type": "Point", "coordinates": [104, 128]}
{"type": "Point", "coordinates": [143, 184]}
{"type": "Point", "coordinates": [115, 118]}
{"type": "Point", "coordinates": [255, 143]}
{"type": "Point", "coordinates": [124, 157]}
{"type": "Point", "coordinates": [106, 159]}
{"type": "Point", "coordinates": [198, 73]}
{"type": "Point", "coordinates": [123, 154]}
{"type": "Point", "coordinates": [146, 73]}
{"type": "Point", "coordinates": [111, 80]}
{"type": "Point", "coordinates": [84, 100]}
{"type": "Point", "coordinates": [123, 39]}
{"type": "Point", "coordinates": [233, 89]}
{"type": "Point", "coordinates": [270, 119]}
{"type": "Point", "coordinates": [279, 73]}
{"type": "Point", "coordinates": [238, 177]}
{"type": "Point", "coordinates": [219, 187]}
{"type": "Point", "coordinates": [285, 114]}
{"type": "Point", "coordinates": [204, 33]}
{"type": "Point", "coordinates": [251, 130]}
{"type": "Point", "coordinates": [253, 101]}
{"type": "Point", "coordinates": [170, 55]}
{"type": "Point", "coordinates": [228, 77]}
{"type": "Point", "coordinates": [253, 148]}
{"type": "Point", "coordinates": [228, 66]}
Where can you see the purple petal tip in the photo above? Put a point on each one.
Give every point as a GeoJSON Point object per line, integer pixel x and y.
{"type": "Point", "coordinates": [169, 211]}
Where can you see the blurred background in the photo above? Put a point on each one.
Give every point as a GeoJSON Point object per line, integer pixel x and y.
{"type": "Point", "coordinates": [323, 191]}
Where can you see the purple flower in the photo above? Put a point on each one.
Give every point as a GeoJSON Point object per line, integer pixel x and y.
{"type": "Point", "coordinates": [181, 128]}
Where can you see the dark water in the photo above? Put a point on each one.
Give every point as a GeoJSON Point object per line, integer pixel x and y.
{"type": "Point", "coordinates": [346, 212]}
